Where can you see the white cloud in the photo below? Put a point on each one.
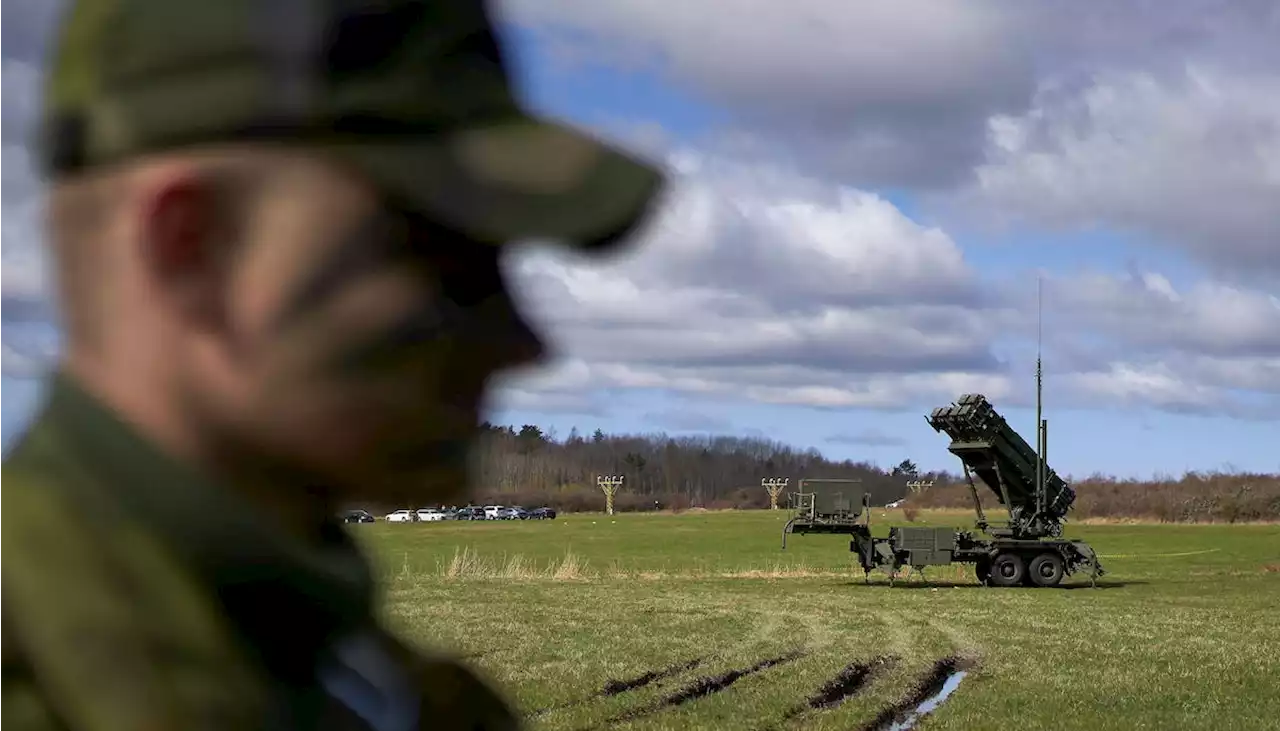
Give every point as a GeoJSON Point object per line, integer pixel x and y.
{"type": "Point", "coordinates": [758, 283]}
{"type": "Point", "coordinates": [1191, 159]}
{"type": "Point", "coordinates": [1159, 385]}
{"type": "Point", "coordinates": [21, 86]}
{"type": "Point", "coordinates": [929, 49]}
{"type": "Point", "coordinates": [1140, 341]}
{"type": "Point", "coordinates": [1052, 113]}
{"type": "Point", "coordinates": [1146, 311]}
{"type": "Point", "coordinates": [26, 33]}
{"type": "Point", "coordinates": [886, 92]}
{"type": "Point", "coordinates": [761, 283]}
{"type": "Point", "coordinates": [868, 438]}
{"type": "Point", "coordinates": [24, 276]}
{"type": "Point", "coordinates": [20, 364]}
{"type": "Point", "coordinates": [1075, 37]}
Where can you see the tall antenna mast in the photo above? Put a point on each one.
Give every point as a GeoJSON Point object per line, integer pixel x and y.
{"type": "Point", "coordinates": [1040, 424]}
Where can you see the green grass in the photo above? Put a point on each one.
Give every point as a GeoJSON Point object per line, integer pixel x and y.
{"type": "Point", "coordinates": [1182, 633]}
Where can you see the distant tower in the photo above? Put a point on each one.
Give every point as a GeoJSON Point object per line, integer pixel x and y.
{"type": "Point", "coordinates": [609, 484]}
{"type": "Point", "coordinates": [918, 486]}
{"type": "Point", "coordinates": [774, 486]}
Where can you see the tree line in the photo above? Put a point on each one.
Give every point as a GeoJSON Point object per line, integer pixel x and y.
{"type": "Point", "coordinates": [713, 472]}
{"type": "Point", "coordinates": [529, 466]}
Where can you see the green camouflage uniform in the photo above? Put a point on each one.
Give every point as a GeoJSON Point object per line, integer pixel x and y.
{"type": "Point", "coordinates": [137, 593]}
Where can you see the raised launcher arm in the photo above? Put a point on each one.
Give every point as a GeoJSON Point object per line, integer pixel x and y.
{"type": "Point", "coordinates": [1003, 460]}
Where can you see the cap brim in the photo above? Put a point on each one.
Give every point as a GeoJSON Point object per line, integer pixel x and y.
{"type": "Point", "coordinates": [520, 179]}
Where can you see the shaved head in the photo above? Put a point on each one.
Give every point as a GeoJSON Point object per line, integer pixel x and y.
{"type": "Point", "coordinates": [93, 226]}
{"type": "Point", "coordinates": [82, 214]}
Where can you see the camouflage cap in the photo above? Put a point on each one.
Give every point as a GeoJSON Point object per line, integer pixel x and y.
{"type": "Point", "coordinates": [414, 93]}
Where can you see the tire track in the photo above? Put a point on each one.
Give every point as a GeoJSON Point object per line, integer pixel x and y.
{"type": "Point", "coordinates": [901, 715]}
{"type": "Point", "coordinates": [614, 687]}
{"type": "Point", "coordinates": [709, 684]}
{"type": "Point", "coordinates": [703, 687]}
{"type": "Point", "coordinates": [847, 683]}
{"type": "Point", "coordinates": [922, 698]}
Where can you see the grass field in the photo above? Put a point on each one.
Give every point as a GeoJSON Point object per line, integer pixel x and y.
{"type": "Point", "coordinates": [568, 615]}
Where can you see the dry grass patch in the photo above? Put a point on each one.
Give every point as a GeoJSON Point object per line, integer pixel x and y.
{"type": "Point", "coordinates": [468, 564]}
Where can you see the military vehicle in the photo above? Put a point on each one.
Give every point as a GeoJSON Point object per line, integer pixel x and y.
{"type": "Point", "coordinates": [828, 505]}
{"type": "Point", "coordinates": [1027, 549]}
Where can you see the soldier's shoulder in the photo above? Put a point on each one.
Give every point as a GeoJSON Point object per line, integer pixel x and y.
{"type": "Point", "coordinates": [51, 528]}
{"type": "Point", "coordinates": [118, 633]}
{"type": "Point", "coordinates": [44, 527]}
{"type": "Point", "coordinates": [18, 480]}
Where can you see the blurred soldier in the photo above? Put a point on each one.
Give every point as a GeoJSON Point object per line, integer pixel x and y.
{"type": "Point", "coordinates": [276, 228]}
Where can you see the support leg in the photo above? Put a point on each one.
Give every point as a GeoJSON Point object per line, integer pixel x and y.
{"type": "Point", "coordinates": [982, 571]}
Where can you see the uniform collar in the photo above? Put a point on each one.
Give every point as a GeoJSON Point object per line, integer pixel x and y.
{"type": "Point", "coordinates": [289, 599]}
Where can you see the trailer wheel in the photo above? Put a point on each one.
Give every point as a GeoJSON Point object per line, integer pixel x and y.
{"type": "Point", "coordinates": [1007, 570]}
{"type": "Point", "coordinates": [1046, 569]}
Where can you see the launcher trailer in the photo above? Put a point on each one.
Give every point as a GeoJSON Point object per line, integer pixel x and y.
{"type": "Point", "coordinates": [1027, 549]}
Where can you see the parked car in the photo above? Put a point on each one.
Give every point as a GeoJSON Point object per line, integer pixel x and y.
{"type": "Point", "coordinates": [470, 512]}
{"type": "Point", "coordinates": [356, 516]}
{"type": "Point", "coordinates": [513, 513]}
{"type": "Point", "coordinates": [402, 516]}
{"type": "Point", "coordinates": [491, 511]}
{"type": "Point", "coordinates": [430, 515]}
{"type": "Point", "coordinates": [542, 514]}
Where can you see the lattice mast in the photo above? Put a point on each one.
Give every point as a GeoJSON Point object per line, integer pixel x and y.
{"type": "Point", "coordinates": [609, 484]}
{"type": "Point", "coordinates": [774, 486]}
{"type": "Point", "coordinates": [918, 486]}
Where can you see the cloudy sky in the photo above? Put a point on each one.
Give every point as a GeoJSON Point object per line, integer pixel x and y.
{"type": "Point", "coordinates": [864, 196]}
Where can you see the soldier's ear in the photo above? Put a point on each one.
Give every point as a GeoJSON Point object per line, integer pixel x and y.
{"type": "Point", "coordinates": [182, 242]}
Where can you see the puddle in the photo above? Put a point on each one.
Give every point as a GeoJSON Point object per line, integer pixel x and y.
{"type": "Point", "coordinates": [929, 704]}
{"type": "Point", "coordinates": [933, 690]}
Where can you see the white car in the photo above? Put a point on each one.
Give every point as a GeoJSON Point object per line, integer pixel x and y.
{"type": "Point", "coordinates": [491, 512]}
{"type": "Point", "coordinates": [400, 516]}
{"type": "Point", "coordinates": [430, 514]}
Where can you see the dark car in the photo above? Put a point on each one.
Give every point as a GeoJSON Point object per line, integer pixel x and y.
{"type": "Point", "coordinates": [469, 513]}
{"type": "Point", "coordinates": [542, 514]}
{"type": "Point", "coordinates": [356, 516]}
